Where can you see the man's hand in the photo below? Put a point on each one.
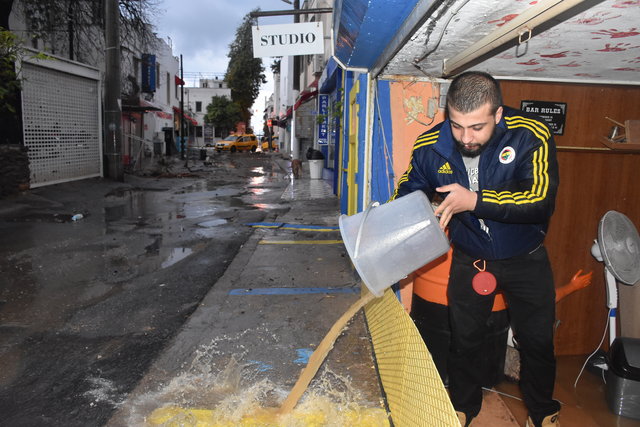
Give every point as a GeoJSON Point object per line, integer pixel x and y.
{"type": "Point", "coordinates": [458, 200]}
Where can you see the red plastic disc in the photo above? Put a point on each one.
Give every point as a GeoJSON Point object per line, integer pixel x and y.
{"type": "Point", "coordinates": [484, 283]}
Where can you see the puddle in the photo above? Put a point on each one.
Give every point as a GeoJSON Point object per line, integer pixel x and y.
{"type": "Point", "coordinates": [258, 191]}
{"type": "Point", "coordinates": [206, 233]}
{"type": "Point", "coordinates": [192, 202]}
{"type": "Point", "coordinates": [236, 202]}
{"type": "Point", "coordinates": [125, 191]}
{"type": "Point", "coordinates": [42, 217]}
{"type": "Point", "coordinates": [177, 254]}
{"type": "Point", "coordinates": [212, 223]}
{"type": "Point", "coordinates": [195, 210]}
{"type": "Point", "coordinates": [269, 206]}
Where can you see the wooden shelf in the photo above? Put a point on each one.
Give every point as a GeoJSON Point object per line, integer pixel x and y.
{"type": "Point", "coordinates": [622, 147]}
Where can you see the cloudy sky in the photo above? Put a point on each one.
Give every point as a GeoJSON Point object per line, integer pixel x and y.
{"type": "Point", "coordinates": [201, 30]}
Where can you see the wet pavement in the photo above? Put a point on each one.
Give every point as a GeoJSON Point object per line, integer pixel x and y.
{"type": "Point", "coordinates": [99, 316]}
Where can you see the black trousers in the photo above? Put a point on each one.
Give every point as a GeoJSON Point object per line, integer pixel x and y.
{"type": "Point", "coordinates": [432, 321]}
{"type": "Point", "coordinates": [527, 283]}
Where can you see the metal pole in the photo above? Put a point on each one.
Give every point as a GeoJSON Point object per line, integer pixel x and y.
{"type": "Point", "coordinates": [112, 110]}
{"type": "Point", "coordinates": [186, 161]}
{"type": "Point", "coordinates": [181, 134]}
{"type": "Point", "coordinates": [295, 146]}
{"type": "Point", "coordinates": [296, 59]}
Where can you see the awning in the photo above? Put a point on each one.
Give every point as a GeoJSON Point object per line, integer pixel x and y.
{"type": "Point", "coordinates": [186, 116]}
{"type": "Point", "coordinates": [304, 97]}
{"type": "Point", "coordinates": [309, 93]}
{"type": "Point", "coordinates": [330, 76]}
{"type": "Point", "coordinates": [141, 107]}
{"type": "Point", "coordinates": [365, 27]}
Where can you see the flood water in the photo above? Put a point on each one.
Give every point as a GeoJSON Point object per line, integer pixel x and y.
{"type": "Point", "coordinates": [86, 305]}
{"type": "Point", "coordinates": [231, 391]}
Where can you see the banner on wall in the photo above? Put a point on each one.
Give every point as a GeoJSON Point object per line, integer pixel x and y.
{"type": "Point", "coordinates": [323, 111]}
{"type": "Point", "coordinates": [306, 38]}
{"type": "Point", "coordinates": [148, 73]}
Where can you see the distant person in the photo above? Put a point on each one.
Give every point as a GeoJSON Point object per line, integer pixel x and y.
{"type": "Point", "coordinates": [496, 169]}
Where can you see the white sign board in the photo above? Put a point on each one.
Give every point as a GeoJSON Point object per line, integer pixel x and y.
{"type": "Point", "coordinates": [305, 38]}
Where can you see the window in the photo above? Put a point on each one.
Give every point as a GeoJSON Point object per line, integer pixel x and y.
{"type": "Point", "coordinates": [168, 88]}
{"type": "Point", "coordinates": [220, 85]}
{"type": "Point", "coordinates": [198, 106]}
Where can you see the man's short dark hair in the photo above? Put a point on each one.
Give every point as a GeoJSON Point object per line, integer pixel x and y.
{"type": "Point", "coordinates": [473, 89]}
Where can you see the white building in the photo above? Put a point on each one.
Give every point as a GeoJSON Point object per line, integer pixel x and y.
{"type": "Point", "coordinates": [56, 93]}
{"type": "Point", "coordinates": [159, 125]}
{"type": "Point", "coordinates": [196, 100]}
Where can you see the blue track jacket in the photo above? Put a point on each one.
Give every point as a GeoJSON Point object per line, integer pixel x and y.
{"type": "Point", "coordinates": [518, 182]}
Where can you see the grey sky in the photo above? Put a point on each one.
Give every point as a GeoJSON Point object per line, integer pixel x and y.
{"type": "Point", "coordinates": [201, 30]}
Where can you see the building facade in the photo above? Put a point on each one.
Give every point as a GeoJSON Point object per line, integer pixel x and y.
{"type": "Point", "coordinates": [196, 100]}
{"type": "Point", "coordinates": [56, 141]}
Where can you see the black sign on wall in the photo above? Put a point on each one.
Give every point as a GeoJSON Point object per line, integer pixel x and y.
{"type": "Point", "coordinates": [554, 113]}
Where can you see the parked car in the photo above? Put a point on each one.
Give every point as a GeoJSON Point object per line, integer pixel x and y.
{"type": "Point", "coordinates": [233, 143]}
{"type": "Point", "coordinates": [265, 143]}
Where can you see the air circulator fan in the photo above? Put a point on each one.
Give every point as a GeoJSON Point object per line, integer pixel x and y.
{"type": "Point", "coordinates": [618, 246]}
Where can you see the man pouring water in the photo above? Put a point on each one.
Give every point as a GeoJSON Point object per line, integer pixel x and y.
{"type": "Point", "coordinates": [495, 168]}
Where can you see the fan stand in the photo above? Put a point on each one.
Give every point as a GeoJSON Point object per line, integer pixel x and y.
{"type": "Point", "coordinates": [612, 303]}
{"type": "Point", "coordinates": [612, 292]}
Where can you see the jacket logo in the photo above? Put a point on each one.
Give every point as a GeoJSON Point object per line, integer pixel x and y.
{"type": "Point", "coordinates": [507, 155]}
{"type": "Point", "coordinates": [445, 169]}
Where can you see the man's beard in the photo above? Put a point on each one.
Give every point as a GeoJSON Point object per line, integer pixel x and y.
{"type": "Point", "coordinates": [475, 151]}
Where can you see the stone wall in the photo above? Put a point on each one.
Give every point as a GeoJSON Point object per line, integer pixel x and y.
{"type": "Point", "coordinates": [14, 169]}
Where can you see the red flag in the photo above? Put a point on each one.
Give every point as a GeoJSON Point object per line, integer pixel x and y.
{"type": "Point", "coordinates": [179, 81]}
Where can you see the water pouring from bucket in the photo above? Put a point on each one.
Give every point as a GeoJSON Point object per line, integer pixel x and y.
{"type": "Point", "coordinates": [385, 243]}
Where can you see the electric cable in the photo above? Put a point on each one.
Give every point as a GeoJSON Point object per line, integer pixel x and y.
{"type": "Point", "coordinates": [444, 30]}
{"type": "Point", "coordinates": [501, 393]}
{"type": "Point", "coordinates": [606, 326]}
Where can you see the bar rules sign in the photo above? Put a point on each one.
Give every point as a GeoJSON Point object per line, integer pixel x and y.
{"type": "Point", "coordinates": [305, 38]}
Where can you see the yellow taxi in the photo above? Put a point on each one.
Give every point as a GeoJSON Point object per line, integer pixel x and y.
{"type": "Point", "coordinates": [233, 143]}
{"type": "Point", "coordinates": [274, 143]}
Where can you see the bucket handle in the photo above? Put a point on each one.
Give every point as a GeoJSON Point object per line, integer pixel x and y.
{"type": "Point", "coordinates": [364, 218]}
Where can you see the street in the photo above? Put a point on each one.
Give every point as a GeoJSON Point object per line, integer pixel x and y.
{"type": "Point", "coordinates": [86, 305]}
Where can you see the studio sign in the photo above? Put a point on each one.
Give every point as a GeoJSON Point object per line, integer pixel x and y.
{"type": "Point", "coordinates": [288, 39]}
